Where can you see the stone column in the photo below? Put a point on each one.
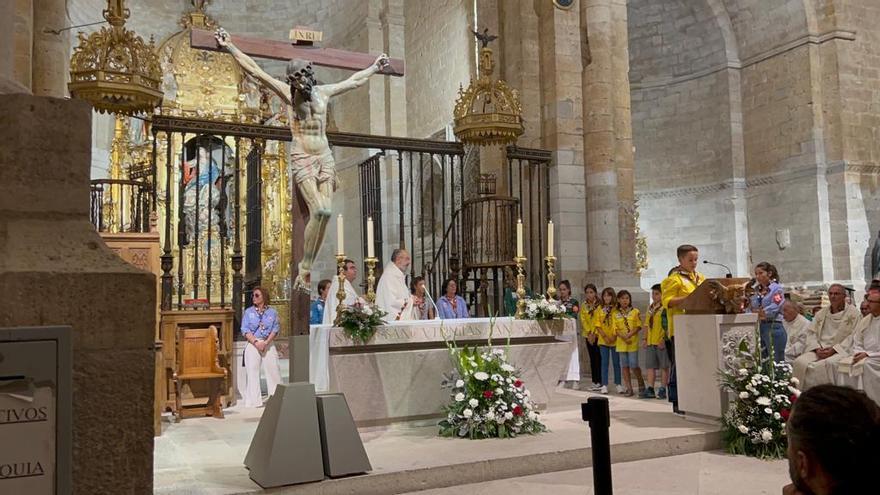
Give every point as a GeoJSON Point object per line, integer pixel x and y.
{"type": "Point", "coordinates": [51, 51]}
{"type": "Point", "coordinates": [56, 270]}
{"type": "Point", "coordinates": [562, 132]}
{"type": "Point", "coordinates": [607, 137]}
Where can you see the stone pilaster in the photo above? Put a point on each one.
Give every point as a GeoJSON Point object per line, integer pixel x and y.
{"type": "Point", "coordinates": [607, 136]}
{"type": "Point", "coordinates": [562, 133]}
{"type": "Point", "coordinates": [56, 270]}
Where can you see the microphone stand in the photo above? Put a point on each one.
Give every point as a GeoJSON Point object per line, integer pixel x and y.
{"type": "Point", "coordinates": [433, 304]}
{"type": "Point", "coordinates": [729, 273]}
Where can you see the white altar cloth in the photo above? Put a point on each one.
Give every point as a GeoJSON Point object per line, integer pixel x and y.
{"type": "Point", "coordinates": [398, 375]}
{"type": "Point", "coordinates": [425, 332]}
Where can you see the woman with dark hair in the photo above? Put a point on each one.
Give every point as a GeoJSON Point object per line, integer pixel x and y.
{"type": "Point", "coordinates": [422, 307]}
{"type": "Point", "coordinates": [260, 325]}
{"type": "Point", "coordinates": [606, 333]}
{"type": "Point", "coordinates": [767, 303]}
{"type": "Point", "coordinates": [588, 310]}
{"type": "Point", "coordinates": [451, 305]}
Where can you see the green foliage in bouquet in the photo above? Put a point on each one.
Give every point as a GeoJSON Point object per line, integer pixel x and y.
{"type": "Point", "coordinates": [360, 320]}
{"type": "Point", "coordinates": [764, 392]}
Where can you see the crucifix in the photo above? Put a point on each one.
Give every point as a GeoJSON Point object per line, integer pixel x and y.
{"type": "Point", "coordinates": [314, 170]}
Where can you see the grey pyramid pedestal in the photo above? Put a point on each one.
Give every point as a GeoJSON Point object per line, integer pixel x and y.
{"type": "Point", "coordinates": [286, 448]}
{"type": "Point", "coordinates": [344, 452]}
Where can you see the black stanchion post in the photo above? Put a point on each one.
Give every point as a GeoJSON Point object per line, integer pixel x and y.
{"type": "Point", "coordinates": [595, 412]}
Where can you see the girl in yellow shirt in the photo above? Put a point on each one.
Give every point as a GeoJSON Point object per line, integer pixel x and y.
{"type": "Point", "coordinates": [606, 335]}
{"type": "Point", "coordinates": [588, 310]}
{"type": "Point", "coordinates": [628, 322]}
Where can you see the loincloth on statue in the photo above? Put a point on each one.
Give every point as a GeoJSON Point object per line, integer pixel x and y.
{"type": "Point", "coordinates": [319, 168]}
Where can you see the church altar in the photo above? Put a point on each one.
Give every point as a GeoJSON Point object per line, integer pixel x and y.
{"type": "Point", "coordinates": [397, 375]}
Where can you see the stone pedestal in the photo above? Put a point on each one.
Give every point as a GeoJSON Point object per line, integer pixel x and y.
{"type": "Point", "coordinates": [56, 270]}
{"type": "Point", "coordinates": [700, 343]}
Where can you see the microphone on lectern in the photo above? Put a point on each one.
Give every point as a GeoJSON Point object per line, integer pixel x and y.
{"type": "Point", "coordinates": [729, 273]}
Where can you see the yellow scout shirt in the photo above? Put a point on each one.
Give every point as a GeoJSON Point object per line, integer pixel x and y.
{"type": "Point", "coordinates": [655, 332]}
{"type": "Point", "coordinates": [677, 285]}
{"type": "Point", "coordinates": [603, 325]}
{"type": "Point", "coordinates": [626, 324]}
{"type": "Point", "coordinates": [586, 317]}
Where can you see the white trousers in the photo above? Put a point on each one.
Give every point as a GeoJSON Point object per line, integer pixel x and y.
{"type": "Point", "coordinates": [574, 366]}
{"type": "Point", "coordinates": [253, 360]}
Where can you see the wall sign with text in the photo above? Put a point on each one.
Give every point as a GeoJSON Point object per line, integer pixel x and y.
{"type": "Point", "coordinates": [35, 410]}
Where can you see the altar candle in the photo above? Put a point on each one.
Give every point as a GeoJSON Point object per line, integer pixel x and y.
{"type": "Point", "coordinates": [519, 238]}
{"type": "Point", "coordinates": [550, 238]}
{"type": "Point", "coordinates": [370, 241]}
{"type": "Point", "coordinates": [340, 243]}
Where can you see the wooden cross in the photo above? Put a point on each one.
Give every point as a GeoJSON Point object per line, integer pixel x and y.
{"type": "Point", "coordinates": [280, 50]}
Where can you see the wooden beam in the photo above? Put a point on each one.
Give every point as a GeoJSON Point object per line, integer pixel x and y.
{"type": "Point", "coordinates": [281, 50]}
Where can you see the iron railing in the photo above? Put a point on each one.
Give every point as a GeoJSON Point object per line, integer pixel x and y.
{"type": "Point", "coordinates": [119, 205]}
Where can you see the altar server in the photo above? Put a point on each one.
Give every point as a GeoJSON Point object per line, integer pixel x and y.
{"type": "Point", "coordinates": [260, 326]}
{"type": "Point", "coordinates": [796, 327]}
{"type": "Point", "coordinates": [350, 273]}
{"type": "Point", "coordinates": [830, 328]}
{"type": "Point", "coordinates": [392, 294]}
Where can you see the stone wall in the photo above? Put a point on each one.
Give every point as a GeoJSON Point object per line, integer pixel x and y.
{"type": "Point", "coordinates": [765, 110]}
{"type": "Point", "coordinates": [682, 132]}
{"type": "Point", "coordinates": [439, 55]}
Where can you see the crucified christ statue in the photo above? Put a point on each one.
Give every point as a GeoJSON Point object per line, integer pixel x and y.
{"type": "Point", "coordinates": [314, 171]}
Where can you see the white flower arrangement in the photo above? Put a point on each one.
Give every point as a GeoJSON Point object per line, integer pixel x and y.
{"type": "Point", "coordinates": [763, 393]}
{"type": "Point", "coordinates": [545, 309]}
{"type": "Point", "coordinates": [489, 400]}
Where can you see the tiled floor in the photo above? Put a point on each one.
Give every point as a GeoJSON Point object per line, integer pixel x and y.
{"type": "Point", "coordinates": [204, 455]}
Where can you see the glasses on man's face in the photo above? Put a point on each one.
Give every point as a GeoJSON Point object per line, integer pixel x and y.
{"type": "Point", "coordinates": [869, 301]}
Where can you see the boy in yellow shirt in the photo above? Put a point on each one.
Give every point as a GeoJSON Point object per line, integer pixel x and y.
{"type": "Point", "coordinates": [654, 346]}
{"type": "Point", "coordinates": [682, 280]}
{"type": "Point", "coordinates": [628, 322]}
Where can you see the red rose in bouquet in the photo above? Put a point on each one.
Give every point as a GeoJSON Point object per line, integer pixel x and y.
{"type": "Point", "coordinates": [487, 394]}
{"type": "Point", "coordinates": [517, 383]}
{"type": "Point", "coordinates": [517, 411]}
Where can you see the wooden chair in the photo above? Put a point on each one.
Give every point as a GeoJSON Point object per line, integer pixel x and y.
{"type": "Point", "coordinates": [197, 360]}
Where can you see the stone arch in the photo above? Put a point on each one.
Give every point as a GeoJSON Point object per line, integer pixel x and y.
{"type": "Point", "coordinates": [724, 24]}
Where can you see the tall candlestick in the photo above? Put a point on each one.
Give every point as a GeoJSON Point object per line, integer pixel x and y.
{"type": "Point", "coordinates": [370, 240]}
{"type": "Point", "coordinates": [550, 238]}
{"type": "Point", "coordinates": [340, 242]}
{"type": "Point", "coordinates": [519, 238]}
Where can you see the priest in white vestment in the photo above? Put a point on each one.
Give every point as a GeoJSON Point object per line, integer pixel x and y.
{"type": "Point", "coordinates": [830, 328]}
{"type": "Point", "coordinates": [861, 370]}
{"type": "Point", "coordinates": [392, 294]}
{"type": "Point", "coordinates": [350, 272]}
{"type": "Point", "coordinates": [796, 327]}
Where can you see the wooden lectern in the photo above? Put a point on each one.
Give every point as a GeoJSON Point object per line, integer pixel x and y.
{"type": "Point", "coordinates": [713, 320]}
